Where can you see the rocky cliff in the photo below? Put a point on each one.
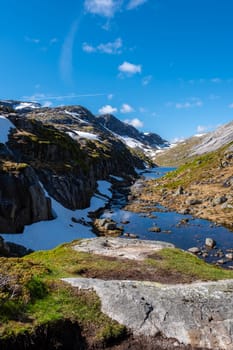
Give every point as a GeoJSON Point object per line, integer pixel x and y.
{"type": "Point", "coordinates": [62, 150]}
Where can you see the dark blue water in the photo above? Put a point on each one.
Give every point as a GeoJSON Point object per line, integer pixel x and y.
{"type": "Point", "coordinates": [184, 236]}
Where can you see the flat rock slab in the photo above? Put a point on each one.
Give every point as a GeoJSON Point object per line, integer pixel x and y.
{"type": "Point", "coordinates": [199, 314]}
{"type": "Point", "coordinates": [133, 249]}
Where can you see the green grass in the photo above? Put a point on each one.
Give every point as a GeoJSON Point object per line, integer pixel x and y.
{"type": "Point", "coordinates": [189, 265]}
{"type": "Point", "coordinates": [43, 298]}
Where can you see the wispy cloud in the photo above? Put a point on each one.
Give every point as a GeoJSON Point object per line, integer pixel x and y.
{"type": "Point", "coordinates": [146, 80]}
{"type": "Point", "coordinates": [53, 41]}
{"type": "Point", "coordinates": [126, 108]}
{"type": "Point", "coordinates": [110, 96]}
{"type": "Point", "coordinates": [214, 97]}
{"type": "Point", "coordinates": [44, 97]}
{"type": "Point", "coordinates": [32, 40]}
{"type": "Point", "coordinates": [193, 102]}
{"type": "Point", "coordinates": [108, 8]}
{"type": "Point", "coordinates": [108, 109]}
{"type": "Point", "coordinates": [129, 69]}
{"type": "Point", "coordinates": [230, 105]}
{"type": "Point", "coordinates": [135, 3]}
{"type": "Point", "coordinates": [216, 80]}
{"type": "Point", "coordinates": [66, 59]}
{"type": "Point", "coordinates": [137, 123]}
{"type": "Point", "coordinates": [111, 48]}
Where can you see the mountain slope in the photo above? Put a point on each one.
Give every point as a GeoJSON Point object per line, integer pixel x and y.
{"type": "Point", "coordinates": [202, 187]}
{"type": "Point", "coordinates": [146, 142]}
{"type": "Point", "coordinates": [196, 145]}
{"type": "Point", "coordinates": [64, 150]}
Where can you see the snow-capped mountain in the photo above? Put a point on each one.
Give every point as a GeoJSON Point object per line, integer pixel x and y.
{"type": "Point", "coordinates": [19, 105]}
{"type": "Point", "coordinates": [130, 135]}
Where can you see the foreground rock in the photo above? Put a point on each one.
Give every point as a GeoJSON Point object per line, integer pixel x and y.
{"type": "Point", "coordinates": [199, 314]}
{"type": "Point", "coordinates": [122, 248]}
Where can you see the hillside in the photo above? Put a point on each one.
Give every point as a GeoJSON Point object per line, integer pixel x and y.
{"type": "Point", "coordinates": [186, 150]}
{"type": "Point", "coordinates": [202, 187]}
{"type": "Point", "coordinates": [63, 150]}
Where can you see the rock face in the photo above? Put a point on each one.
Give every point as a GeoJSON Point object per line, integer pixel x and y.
{"type": "Point", "coordinates": [22, 199]}
{"type": "Point", "coordinates": [199, 314]}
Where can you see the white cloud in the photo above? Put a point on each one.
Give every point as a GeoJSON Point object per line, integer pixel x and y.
{"type": "Point", "coordinates": [177, 140]}
{"type": "Point", "coordinates": [111, 48]}
{"type": "Point", "coordinates": [88, 48]}
{"type": "Point", "coordinates": [108, 8]}
{"type": "Point", "coordinates": [107, 110]}
{"type": "Point", "coordinates": [47, 104]}
{"type": "Point", "coordinates": [110, 96]}
{"type": "Point", "coordinates": [105, 8]}
{"type": "Point", "coordinates": [146, 80]}
{"type": "Point", "coordinates": [137, 123]}
{"type": "Point", "coordinates": [135, 3]}
{"type": "Point", "coordinates": [230, 105]}
{"type": "Point", "coordinates": [125, 108]}
{"type": "Point", "coordinates": [202, 128]}
{"type": "Point", "coordinates": [129, 68]}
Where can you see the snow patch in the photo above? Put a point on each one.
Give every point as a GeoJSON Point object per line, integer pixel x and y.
{"type": "Point", "coordinates": [23, 105]}
{"type": "Point", "coordinates": [85, 135]}
{"type": "Point", "coordinates": [5, 126]}
{"type": "Point", "coordinates": [76, 116]}
{"type": "Point", "coordinates": [48, 234]}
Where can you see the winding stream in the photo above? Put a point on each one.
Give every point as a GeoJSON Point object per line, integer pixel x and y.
{"type": "Point", "coordinates": [182, 235]}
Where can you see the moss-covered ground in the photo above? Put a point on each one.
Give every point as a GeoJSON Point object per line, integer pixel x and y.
{"type": "Point", "coordinates": [32, 294]}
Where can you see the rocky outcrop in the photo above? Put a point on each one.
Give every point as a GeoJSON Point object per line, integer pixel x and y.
{"type": "Point", "coordinates": [199, 314]}
{"type": "Point", "coordinates": [22, 199]}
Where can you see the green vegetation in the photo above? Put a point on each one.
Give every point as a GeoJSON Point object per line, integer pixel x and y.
{"type": "Point", "coordinates": [32, 293]}
{"type": "Point", "coordinates": [177, 260]}
{"type": "Point", "coordinates": [196, 169]}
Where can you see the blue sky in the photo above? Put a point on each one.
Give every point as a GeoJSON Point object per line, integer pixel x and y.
{"type": "Point", "coordinates": [164, 66]}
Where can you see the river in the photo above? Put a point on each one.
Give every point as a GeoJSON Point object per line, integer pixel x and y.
{"type": "Point", "coordinates": [184, 236]}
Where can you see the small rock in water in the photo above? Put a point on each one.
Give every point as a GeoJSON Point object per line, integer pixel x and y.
{"type": "Point", "coordinates": [229, 256]}
{"type": "Point", "coordinates": [130, 235]}
{"type": "Point", "coordinates": [154, 229]}
{"type": "Point", "coordinates": [185, 211]}
{"type": "Point", "coordinates": [194, 250]}
{"type": "Point", "coordinates": [209, 242]}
